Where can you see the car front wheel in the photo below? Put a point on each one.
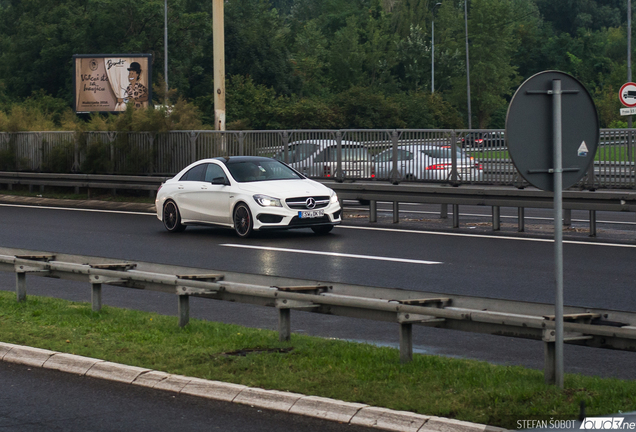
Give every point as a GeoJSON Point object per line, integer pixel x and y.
{"type": "Point", "coordinates": [172, 218]}
{"type": "Point", "coordinates": [243, 224]}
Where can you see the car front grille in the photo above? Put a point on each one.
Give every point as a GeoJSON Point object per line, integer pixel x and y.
{"type": "Point", "coordinates": [300, 203]}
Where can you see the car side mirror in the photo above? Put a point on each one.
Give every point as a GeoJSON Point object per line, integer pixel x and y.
{"type": "Point", "coordinates": [220, 181]}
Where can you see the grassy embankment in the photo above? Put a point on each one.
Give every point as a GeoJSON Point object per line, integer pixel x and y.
{"type": "Point", "coordinates": [463, 389]}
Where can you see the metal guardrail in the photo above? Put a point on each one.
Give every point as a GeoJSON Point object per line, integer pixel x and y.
{"type": "Point", "coordinates": [493, 196]}
{"type": "Point", "coordinates": [147, 153]}
{"type": "Point", "coordinates": [591, 327]}
{"type": "Point", "coordinates": [374, 191]}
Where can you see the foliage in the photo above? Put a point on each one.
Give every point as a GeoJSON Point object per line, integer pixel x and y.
{"type": "Point", "coordinates": [296, 63]}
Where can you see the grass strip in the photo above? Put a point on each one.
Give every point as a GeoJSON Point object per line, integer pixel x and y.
{"type": "Point", "coordinates": [464, 389]}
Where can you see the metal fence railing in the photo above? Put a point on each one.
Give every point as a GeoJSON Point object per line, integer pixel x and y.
{"type": "Point", "coordinates": [475, 156]}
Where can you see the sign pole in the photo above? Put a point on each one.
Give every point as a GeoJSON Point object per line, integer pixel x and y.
{"type": "Point", "coordinates": [558, 230]}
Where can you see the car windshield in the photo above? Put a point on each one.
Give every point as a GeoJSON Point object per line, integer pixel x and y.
{"type": "Point", "coordinates": [260, 170]}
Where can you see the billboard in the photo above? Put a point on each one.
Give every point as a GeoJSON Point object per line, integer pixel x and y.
{"type": "Point", "coordinates": [107, 83]}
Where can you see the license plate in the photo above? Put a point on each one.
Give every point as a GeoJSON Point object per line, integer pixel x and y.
{"type": "Point", "coordinates": [310, 214]}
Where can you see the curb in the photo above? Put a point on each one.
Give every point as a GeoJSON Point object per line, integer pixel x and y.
{"type": "Point", "coordinates": [293, 403]}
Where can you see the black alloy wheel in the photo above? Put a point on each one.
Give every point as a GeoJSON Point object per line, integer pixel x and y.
{"type": "Point", "coordinates": [172, 218]}
{"type": "Point", "coordinates": [243, 224]}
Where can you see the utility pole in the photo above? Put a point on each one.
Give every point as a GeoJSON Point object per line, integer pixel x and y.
{"type": "Point", "coordinates": [629, 72]}
{"type": "Point", "coordinates": [218, 54]}
{"type": "Point", "coordinates": [433, 49]}
{"type": "Point", "coordinates": [470, 114]}
{"type": "Point", "coordinates": [165, 49]}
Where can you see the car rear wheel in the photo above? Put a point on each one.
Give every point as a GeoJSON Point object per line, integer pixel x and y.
{"type": "Point", "coordinates": [172, 218]}
{"type": "Point", "coordinates": [322, 229]}
{"type": "Point", "coordinates": [243, 224]}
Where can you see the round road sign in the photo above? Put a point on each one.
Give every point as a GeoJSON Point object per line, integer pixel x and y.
{"type": "Point", "coordinates": [627, 94]}
{"type": "Point", "coordinates": [530, 125]}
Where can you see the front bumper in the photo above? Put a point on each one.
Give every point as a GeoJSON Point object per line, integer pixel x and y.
{"type": "Point", "coordinates": [286, 218]}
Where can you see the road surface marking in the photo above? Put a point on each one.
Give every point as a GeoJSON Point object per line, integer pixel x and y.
{"type": "Point", "coordinates": [577, 242]}
{"type": "Point", "coordinates": [335, 254]}
{"type": "Point", "coordinates": [356, 227]}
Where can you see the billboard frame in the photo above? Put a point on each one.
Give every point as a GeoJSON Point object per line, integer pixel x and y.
{"type": "Point", "coordinates": [76, 57]}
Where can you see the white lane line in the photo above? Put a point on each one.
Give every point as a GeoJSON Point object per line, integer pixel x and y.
{"type": "Point", "coordinates": [495, 237]}
{"type": "Point", "coordinates": [79, 209]}
{"type": "Point", "coordinates": [335, 254]}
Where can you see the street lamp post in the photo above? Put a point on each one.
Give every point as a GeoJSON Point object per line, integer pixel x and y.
{"type": "Point", "coordinates": [433, 49]}
{"type": "Point", "coordinates": [165, 49]}
{"type": "Point", "coordinates": [470, 115]}
{"type": "Point", "coordinates": [629, 72]}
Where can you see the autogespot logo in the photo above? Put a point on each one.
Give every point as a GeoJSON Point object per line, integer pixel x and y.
{"type": "Point", "coordinates": [607, 423]}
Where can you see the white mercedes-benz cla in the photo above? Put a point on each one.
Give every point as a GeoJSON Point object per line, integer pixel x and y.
{"type": "Point", "coordinates": [246, 193]}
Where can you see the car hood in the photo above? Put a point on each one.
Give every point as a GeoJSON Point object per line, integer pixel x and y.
{"type": "Point", "coordinates": [286, 188]}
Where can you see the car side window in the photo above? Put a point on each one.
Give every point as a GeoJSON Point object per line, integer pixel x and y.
{"type": "Point", "coordinates": [196, 173]}
{"type": "Point", "coordinates": [214, 171]}
{"type": "Point", "coordinates": [385, 156]}
{"type": "Point", "coordinates": [404, 155]}
{"type": "Point", "coordinates": [300, 152]}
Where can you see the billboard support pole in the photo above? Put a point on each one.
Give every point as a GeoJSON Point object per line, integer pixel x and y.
{"type": "Point", "coordinates": [219, 64]}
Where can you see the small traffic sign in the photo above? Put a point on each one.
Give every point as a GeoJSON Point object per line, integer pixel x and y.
{"type": "Point", "coordinates": [627, 94]}
{"type": "Point", "coordinates": [628, 111]}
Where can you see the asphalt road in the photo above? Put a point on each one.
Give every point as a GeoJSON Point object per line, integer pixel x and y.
{"type": "Point", "coordinates": [35, 400]}
{"type": "Point", "coordinates": [471, 262]}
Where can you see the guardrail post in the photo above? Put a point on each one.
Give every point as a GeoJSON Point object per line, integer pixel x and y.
{"type": "Point", "coordinates": [396, 212]}
{"type": "Point", "coordinates": [286, 146]}
{"type": "Point", "coordinates": [496, 218]}
{"type": "Point", "coordinates": [184, 310]}
{"type": "Point", "coordinates": [443, 214]}
{"type": "Point", "coordinates": [241, 140]}
{"type": "Point", "coordinates": [76, 157]}
{"type": "Point", "coordinates": [549, 371]}
{"type": "Point", "coordinates": [96, 296]}
{"type": "Point", "coordinates": [284, 324]}
{"type": "Point", "coordinates": [339, 177]}
{"type": "Point", "coordinates": [406, 342]}
{"type": "Point", "coordinates": [453, 149]}
{"type": "Point", "coordinates": [373, 211]}
{"type": "Point", "coordinates": [20, 286]}
{"type": "Point", "coordinates": [395, 174]}
{"type": "Point", "coordinates": [592, 223]}
{"type": "Point", "coordinates": [193, 147]}
{"type": "Point", "coordinates": [455, 215]}
{"type": "Point", "coordinates": [521, 219]}
{"type": "Point", "coordinates": [567, 217]}
{"type": "Point", "coordinates": [151, 142]}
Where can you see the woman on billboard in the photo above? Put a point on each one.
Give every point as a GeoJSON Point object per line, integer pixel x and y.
{"type": "Point", "coordinates": [135, 91]}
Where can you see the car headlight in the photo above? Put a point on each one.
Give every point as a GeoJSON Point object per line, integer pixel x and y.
{"type": "Point", "coordinates": [267, 201]}
{"type": "Point", "coordinates": [334, 198]}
